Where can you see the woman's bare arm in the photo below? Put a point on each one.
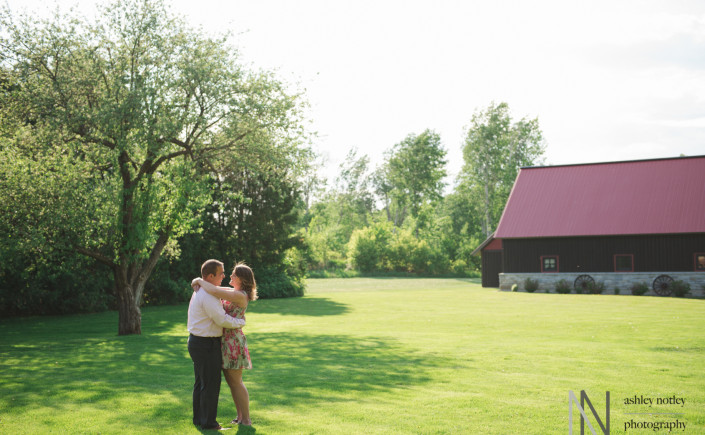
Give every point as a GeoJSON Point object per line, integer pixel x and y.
{"type": "Point", "coordinates": [226, 293]}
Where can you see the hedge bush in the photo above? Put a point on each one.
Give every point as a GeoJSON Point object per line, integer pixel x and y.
{"type": "Point", "coordinates": [531, 285]}
{"type": "Point", "coordinates": [563, 287]}
{"type": "Point", "coordinates": [596, 288]}
{"type": "Point", "coordinates": [680, 288]}
{"type": "Point", "coordinates": [53, 283]}
{"type": "Point", "coordinates": [639, 289]}
{"type": "Point", "coordinates": [274, 283]}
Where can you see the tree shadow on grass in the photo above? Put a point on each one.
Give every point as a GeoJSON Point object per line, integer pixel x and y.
{"type": "Point", "coordinates": [146, 381]}
{"type": "Point", "coordinates": [302, 368]}
{"type": "Point", "coordinates": [155, 320]}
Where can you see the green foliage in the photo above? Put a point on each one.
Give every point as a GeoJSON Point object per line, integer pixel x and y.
{"type": "Point", "coordinates": [495, 148]}
{"type": "Point", "coordinates": [353, 187]}
{"type": "Point", "coordinates": [639, 289]}
{"type": "Point", "coordinates": [369, 247]}
{"type": "Point", "coordinates": [253, 220]}
{"type": "Point", "coordinates": [276, 283]}
{"type": "Point", "coordinates": [165, 289]}
{"type": "Point", "coordinates": [515, 287]}
{"type": "Point", "coordinates": [407, 253]}
{"type": "Point", "coordinates": [459, 228]}
{"type": "Point", "coordinates": [680, 288]}
{"type": "Point", "coordinates": [431, 234]}
{"type": "Point", "coordinates": [33, 286]}
{"type": "Point", "coordinates": [460, 268]}
{"type": "Point", "coordinates": [116, 134]}
{"type": "Point", "coordinates": [330, 222]}
{"type": "Point", "coordinates": [420, 246]}
{"type": "Point", "coordinates": [563, 286]}
{"type": "Point", "coordinates": [330, 227]}
{"type": "Point", "coordinates": [531, 285]}
{"type": "Point", "coordinates": [411, 176]}
{"type": "Point", "coordinates": [352, 273]}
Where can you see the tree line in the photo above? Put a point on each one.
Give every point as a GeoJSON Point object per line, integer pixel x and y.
{"type": "Point", "coordinates": [133, 147]}
{"type": "Point", "coordinates": [396, 218]}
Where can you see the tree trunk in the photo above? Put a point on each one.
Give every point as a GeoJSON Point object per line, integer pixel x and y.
{"type": "Point", "coordinates": [487, 230]}
{"type": "Point", "coordinates": [129, 314]}
{"type": "Point", "coordinates": [130, 280]}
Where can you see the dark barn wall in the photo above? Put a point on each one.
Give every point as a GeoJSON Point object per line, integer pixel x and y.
{"type": "Point", "coordinates": [671, 252]}
{"type": "Point", "coordinates": [491, 267]}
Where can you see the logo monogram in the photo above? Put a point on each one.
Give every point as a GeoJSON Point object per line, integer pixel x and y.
{"type": "Point", "coordinates": [583, 417]}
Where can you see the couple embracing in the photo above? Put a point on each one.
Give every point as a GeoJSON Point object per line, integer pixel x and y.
{"type": "Point", "coordinates": [216, 316]}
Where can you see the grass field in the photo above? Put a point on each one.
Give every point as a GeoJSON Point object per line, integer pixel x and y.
{"type": "Point", "coordinates": [371, 355]}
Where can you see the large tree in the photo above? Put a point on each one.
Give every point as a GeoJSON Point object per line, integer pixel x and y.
{"type": "Point", "coordinates": [494, 150]}
{"type": "Point", "coordinates": [257, 201]}
{"type": "Point", "coordinates": [412, 175]}
{"type": "Point", "coordinates": [110, 130]}
{"type": "Point", "coordinates": [353, 197]}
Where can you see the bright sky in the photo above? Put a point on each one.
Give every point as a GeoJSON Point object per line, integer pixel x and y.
{"type": "Point", "coordinates": [608, 79]}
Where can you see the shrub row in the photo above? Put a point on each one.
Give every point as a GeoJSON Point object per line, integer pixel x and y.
{"type": "Point", "coordinates": [679, 288]}
{"type": "Point", "coordinates": [381, 247]}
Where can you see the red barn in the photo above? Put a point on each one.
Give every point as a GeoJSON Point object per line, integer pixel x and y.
{"type": "Point", "coordinates": [619, 223]}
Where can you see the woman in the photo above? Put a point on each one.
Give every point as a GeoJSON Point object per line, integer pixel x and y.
{"type": "Point", "coordinates": [233, 345]}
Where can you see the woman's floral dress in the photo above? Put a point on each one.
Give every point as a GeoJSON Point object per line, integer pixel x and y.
{"type": "Point", "coordinates": [233, 345]}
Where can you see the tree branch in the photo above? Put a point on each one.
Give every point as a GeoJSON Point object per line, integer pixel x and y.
{"type": "Point", "coordinates": [96, 256]}
{"type": "Point", "coordinates": [92, 139]}
{"type": "Point", "coordinates": [229, 145]}
{"type": "Point", "coordinates": [163, 159]}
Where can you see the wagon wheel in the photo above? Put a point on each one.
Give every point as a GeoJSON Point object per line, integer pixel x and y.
{"type": "Point", "coordinates": [583, 283]}
{"type": "Point", "coordinates": [662, 285]}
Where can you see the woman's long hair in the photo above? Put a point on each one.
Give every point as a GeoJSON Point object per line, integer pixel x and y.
{"type": "Point", "coordinates": [247, 280]}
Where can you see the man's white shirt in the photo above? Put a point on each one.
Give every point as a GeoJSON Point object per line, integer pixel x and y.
{"type": "Point", "coordinates": [206, 316]}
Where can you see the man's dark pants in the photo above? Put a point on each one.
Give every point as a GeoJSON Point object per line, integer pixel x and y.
{"type": "Point", "coordinates": [207, 363]}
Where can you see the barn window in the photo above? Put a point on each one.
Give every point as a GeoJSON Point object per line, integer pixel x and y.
{"type": "Point", "coordinates": [700, 262]}
{"type": "Point", "coordinates": [624, 263]}
{"type": "Point", "coordinates": [549, 263]}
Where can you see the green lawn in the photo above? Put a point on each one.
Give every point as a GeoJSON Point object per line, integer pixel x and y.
{"type": "Point", "coordinates": [371, 355]}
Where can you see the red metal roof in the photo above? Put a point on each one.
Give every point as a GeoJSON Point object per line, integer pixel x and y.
{"type": "Point", "coordinates": [637, 197]}
{"type": "Point", "coordinates": [490, 244]}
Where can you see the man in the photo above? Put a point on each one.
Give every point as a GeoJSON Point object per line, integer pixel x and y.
{"type": "Point", "coordinates": [206, 320]}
